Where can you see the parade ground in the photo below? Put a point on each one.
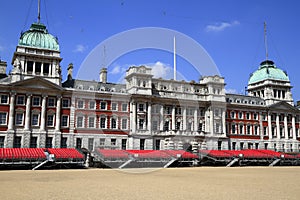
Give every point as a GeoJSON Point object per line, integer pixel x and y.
{"type": "Point", "coordinates": [173, 183]}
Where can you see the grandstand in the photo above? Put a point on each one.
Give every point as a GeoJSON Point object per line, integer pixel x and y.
{"type": "Point", "coordinates": [39, 157]}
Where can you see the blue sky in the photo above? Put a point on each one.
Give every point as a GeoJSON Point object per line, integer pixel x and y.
{"type": "Point", "coordinates": [230, 31]}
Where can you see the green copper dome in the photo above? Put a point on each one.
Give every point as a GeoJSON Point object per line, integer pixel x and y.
{"type": "Point", "coordinates": [268, 70]}
{"type": "Point", "coordinates": [37, 36]}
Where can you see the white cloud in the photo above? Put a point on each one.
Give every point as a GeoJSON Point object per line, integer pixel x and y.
{"type": "Point", "coordinates": [118, 69]}
{"type": "Point", "coordinates": [220, 26]}
{"type": "Point", "coordinates": [231, 91]}
{"type": "Point", "coordinates": [80, 48]}
{"type": "Point", "coordinates": [162, 70]}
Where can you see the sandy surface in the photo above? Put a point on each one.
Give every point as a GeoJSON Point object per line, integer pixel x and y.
{"type": "Point", "coordinates": [175, 183]}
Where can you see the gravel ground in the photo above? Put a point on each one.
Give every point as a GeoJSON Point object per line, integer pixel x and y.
{"type": "Point", "coordinates": [174, 183]}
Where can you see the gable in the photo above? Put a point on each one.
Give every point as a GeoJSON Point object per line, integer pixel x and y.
{"type": "Point", "coordinates": [36, 83]}
{"type": "Point", "coordinates": [283, 106]}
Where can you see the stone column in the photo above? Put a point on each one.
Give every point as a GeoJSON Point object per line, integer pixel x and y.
{"type": "Point", "coordinates": [33, 68]}
{"type": "Point", "coordinates": [43, 114]}
{"type": "Point", "coordinates": [58, 108]}
{"type": "Point", "coordinates": [161, 126]}
{"type": "Point", "coordinates": [133, 123]}
{"type": "Point", "coordinates": [277, 126]}
{"type": "Point", "coordinates": [195, 119]}
{"type": "Point", "coordinates": [286, 127]}
{"type": "Point", "coordinates": [184, 119]}
{"type": "Point", "coordinates": [11, 111]}
{"type": "Point", "coordinates": [149, 117]}
{"type": "Point", "coordinates": [27, 113]}
{"type": "Point", "coordinates": [173, 118]}
{"type": "Point", "coordinates": [261, 129]}
{"type": "Point", "coordinates": [270, 126]}
{"type": "Point", "coordinates": [294, 128]}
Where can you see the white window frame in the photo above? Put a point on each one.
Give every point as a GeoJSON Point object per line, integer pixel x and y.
{"type": "Point", "coordinates": [77, 121]}
{"type": "Point", "coordinates": [94, 122]}
{"type": "Point", "coordinates": [1, 98]}
{"type": "Point", "coordinates": [51, 119]}
{"type": "Point", "coordinates": [101, 105]}
{"type": "Point", "coordinates": [38, 119]}
{"type": "Point", "coordinates": [34, 103]}
{"type": "Point", "coordinates": [124, 104]}
{"type": "Point", "coordinates": [22, 120]}
{"type": "Point", "coordinates": [90, 105]}
{"type": "Point", "coordinates": [17, 100]}
{"type": "Point", "coordinates": [62, 125]}
{"type": "Point", "coordinates": [105, 122]}
{"type": "Point", "coordinates": [111, 124]}
{"type": "Point", "coordinates": [63, 103]}
{"type": "Point", "coordinates": [51, 98]}
{"type": "Point", "coordinates": [79, 105]}
{"type": "Point", "coordinates": [122, 125]}
{"type": "Point", "coordinates": [5, 113]}
{"type": "Point", "coordinates": [111, 106]}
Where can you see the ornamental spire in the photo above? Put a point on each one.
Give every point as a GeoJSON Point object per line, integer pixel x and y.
{"type": "Point", "coordinates": [39, 13]}
{"type": "Point", "coordinates": [265, 39]}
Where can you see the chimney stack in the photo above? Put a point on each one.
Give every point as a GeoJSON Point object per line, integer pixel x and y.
{"type": "Point", "coordinates": [70, 71]}
{"type": "Point", "coordinates": [103, 75]}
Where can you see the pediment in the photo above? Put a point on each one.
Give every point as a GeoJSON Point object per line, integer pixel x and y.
{"type": "Point", "coordinates": [36, 83]}
{"type": "Point", "coordinates": [283, 106]}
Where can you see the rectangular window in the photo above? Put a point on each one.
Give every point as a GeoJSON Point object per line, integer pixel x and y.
{"type": "Point", "coordinates": [46, 68]}
{"type": "Point", "coordinates": [255, 116]}
{"type": "Point", "coordinates": [103, 122]}
{"type": "Point", "coordinates": [241, 129]}
{"type": "Point", "coordinates": [2, 138]}
{"type": "Point", "coordinates": [124, 107]}
{"type": "Point", "coordinates": [166, 126]}
{"type": "Point", "coordinates": [80, 104]}
{"type": "Point", "coordinates": [142, 144]}
{"type": "Point", "coordinates": [178, 111]}
{"type": "Point", "coordinates": [36, 101]}
{"type": "Point", "coordinates": [29, 67]}
{"type": "Point", "coordinates": [232, 115]}
{"type": "Point", "coordinates": [103, 105]}
{"type": "Point", "coordinates": [102, 141]}
{"type": "Point", "coordinates": [33, 142]}
{"type": "Point", "coordinates": [48, 142]}
{"type": "Point", "coordinates": [50, 120]}
{"type": "Point", "coordinates": [17, 142]}
{"type": "Point", "coordinates": [219, 145]}
{"type": "Point", "coordinates": [124, 124]}
{"type": "Point", "coordinates": [63, 143]}
{"type": "Point", "coordinates": [233, 128]}
{"type": "Point", "coordinates": [4, 99]}
{"type": "Point", "coordinates": [20, 100]}
{"type": "Point", "coordinates": [38, 67]}
{"type": "Point", "coordinates": [19, 119]}
{"type": "Point", "coordinates": [141, 107]}
{"type": "Point", "coordinates": [157, 144]}
{"type": "Point", "coordinates": [113, 142]}
{"type": "Point", "coordinates": [65, 103]}
{"type": "Point", "coordinates": [265, 131]}
{"type": "Point", "coordinates": [114, 106]}
{"type": "Point", "coordinates": [78, 143]}
{"type": "Point", "coordinates": [233, 145]}
{"type": "Point", "coordinates": [168, 110]}
{"type": "Point", "coordinates": [91, 122]}
{"type": "Point", "coordinates": [177, 126]}
{"type": "Point", "coordinates": [247, 115]}
{"type": "Point", "coordinates": [242, 145]}
{"type": "Point", "coordinates": [79, 121]}
{"type": "Point", "coordinates": [64, 120]}
{"type": "Point", "coordinates": [3, 118]}
{"type": "Point", "coordinates": [141, 124]}
{"type": "Point", "coordinates": [90, 144]}
{"type": "Point", "coordinates": [92, 105]}
{"type": "Point", "coordinates": [248, 129]}
{"type": "Point", "coordinates": [35, 120]}
{"type": "Point", "coordinates": [218, 128]}
{"type": "Point", "coordinates": [113, 123]}
{"type": "Point", "coordinates": [240, 115]}
{"type": "Point", "coordinates": [124, 142]}
{"type": "Point", "coordinates": [255, 130]}
{"type": "Point", "coordinates": [51, 102]}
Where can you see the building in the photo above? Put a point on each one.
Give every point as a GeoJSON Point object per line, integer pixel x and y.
{"type": "Point", "coordinates": [37, 109]}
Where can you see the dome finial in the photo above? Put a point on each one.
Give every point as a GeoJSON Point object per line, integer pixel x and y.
{"type": "Point", "coordinates": [265, 39]}
{"type": "Point", "coordinates": [39, 13]}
